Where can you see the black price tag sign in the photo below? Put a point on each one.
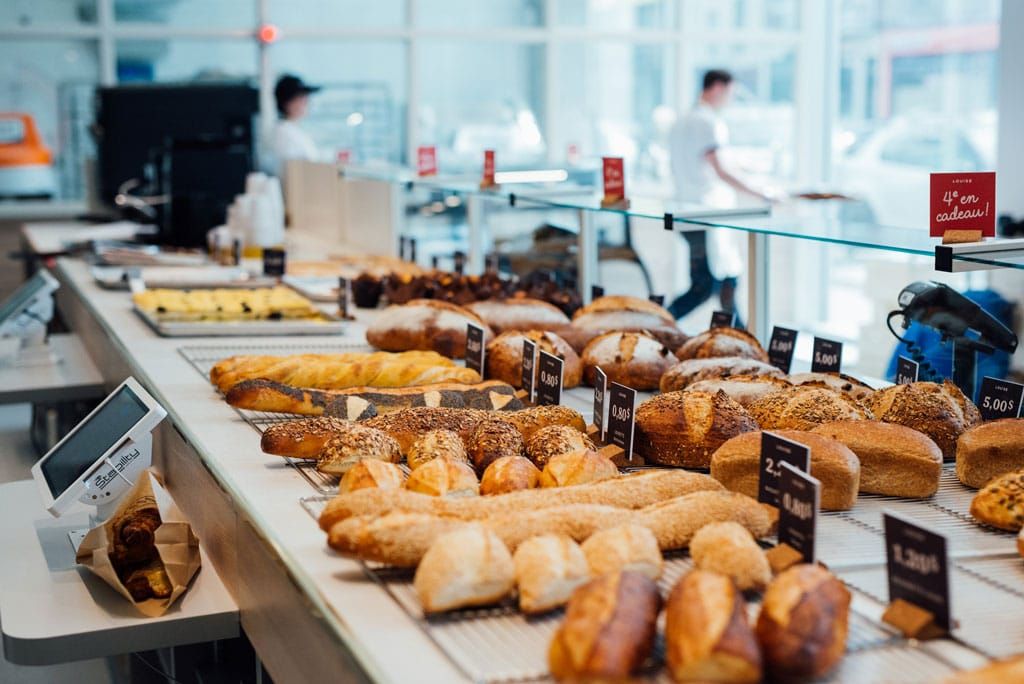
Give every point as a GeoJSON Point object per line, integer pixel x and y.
{"type": "Point", "coordinates": [918, 567]}
{"type": "Point", "coordinates": [781, 347]}
{"type": "Point", "coordinates": [600, 392]}
{"type": "Point", "coordinates": [657, 299]}
{"type": "Point", "coordinates": [828, 355]}
{"type": "Point", "coordinates": [401, 247]}
{"type": "Point", "coordinates": [596, 291]}
{"type": "Point", "coordinates": [475, 348]}
{"type": "Point", "coordinates": [343, 297]}
{"type": "Point", "coordinates": [236, 252]}
{"type": "Point", "coordinates": [435, 262]}
{"type": "Point", "coordinates": [549, 379]}
{"type": "Point", "coordinates": [621, 410]}
{"type": "Point", "coordinates": [460, 262]}
{"type": "Point", "coordinates": [1000, 398]}
{"type": "Point", "coordinates": [273, 262]}
{"type": "Point", "coordinates": [906, 370]}
{"type": "Point", "coordinates": [412, 250]}
{"type": "Point", "coordinates": [776, 450]}
{"type": "Point", "coordinates": [799, 502]}
{"type": "Point", "coordinates": [723, 319]}
{"type": "Point", "coordinates": [529, 359]}
{"type": "Point", "coordinates": [491, 262]}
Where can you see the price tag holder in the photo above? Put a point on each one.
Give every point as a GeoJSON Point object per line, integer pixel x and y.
{"type": "Point", "coordinates": [343, 295]}
{"type": "Point", "coordinates": [426, 160]}
{"type": "Point", "coordinates": [273, 262]}
{"type": "Point", "coordinates": [475, 349]}
{"type": "Point", "coordinates": [657, 299]}
{"type": "Point", "coordinates": [621, 416]}
{"type": "Point", "coordinates": [1000, 398]}
{"type": "Point", "coordinates": [549, 379]}
{"type": "Point", "coordinates": [800, 499]}
{"type": "Point", "coordinates": [492, 262]}
{"type": "Point", "coordinates": [401, 247]}
{"type": "Point", "coordinates": [918, 567]}
{"type": "Point", "coordinates": [412, 250]}
{"type": "Point", "coordinates": [907, 370]}
{"type": "Point", "coordinates": [776, 450]}
{"type": "Point", "coordinates": [600, 392]}
{"type": "Point", "coordinates": [828, 356]}
{"type": "Point", "coordinates": [460, 262]}
{"type": "Point", "coordinates": [781, 348]}
{"type": "Point", "coordinates": [596, 291]}
{"type": "Point", "coordinates": [723, 319]}
{"type": "Point", "coordinates": [529, 360]}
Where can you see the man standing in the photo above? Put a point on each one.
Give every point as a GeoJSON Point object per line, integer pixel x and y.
{"type": "Point", "coordinates": [694, 143]}
{"type": "Point", "coordinates": [289, 140]}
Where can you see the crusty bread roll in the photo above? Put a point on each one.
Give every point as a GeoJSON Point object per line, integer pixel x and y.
{"type": "Point", "coordinates": [988, 450]}
{"type": "Point", "coordinates": [685, 373]}
{"type": "Point", "coordinates": [623, 303]}
{"type": "Point", "coordinates": [996, 672]}
{"type": "Point", "coordinates": [519, 313]}
{"type": "Point", "coordinates": [425, 325]}
{"type": "Point", "coordinates": [685, 428]}
{"type": "Point", "coordinates": [803, 622]}
{"type": "Point", "coordinates": [805, 408]}
{"type": "Point", "coordinates": [744, 389]}
{"type": "Point", "coordinates": [576, 468]}
{"type": "Point", "coordinates": [529, 421]}
{"type": "Point", "coordinates": [581, 333]}
{"type": "Point", "coordinates": [303, 438]}
{"type": "Point", "coordinates": [628, 491]}
{"type": "Point", "coordinates": [504, 360]}
{"type": "Point", "coordinates": [491, 440]}
{"type": "Point", "coordinates": [837, 381]}
{"type": "Point", "coordinates": [707, 636]}
{"type": "Point", "coordinates": [553, 440]}
{"type": "Point", "coordinates": [444, 477]}
{"type": "Point", "coordinates": [509, 474]}
{"type": "Point", "coordinates": [734, 342]}
{"type": "Point", "coordinates": [940, 411]}
{"type": "Point", "coordinates": [736, 465]}
{"type": "Point", "coordinates": [633, 359]}
{"type": "Point", "coordinates": [354, 445]}
{"type": "Point", "coordinates": [468, 566]}
{"type": "Point", "coordinates": [624, 547]}
{"type": "Point", "coordinates": [608, 631]}
{"type": "Point", "coordinates": [894, 460]}
{"type": "Point", "coordinates": [729, 549]}
{"type": "Point", "coordinates": [1000, 503]}
{"type": "Point", "coordinates": [549, 567]}
{"type": "Point", "coordinates": [371, 473]}
{"type": "Point", "coordinates": [436, 444]}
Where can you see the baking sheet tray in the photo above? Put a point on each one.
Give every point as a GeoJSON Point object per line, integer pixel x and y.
{"type": "Point", "coordinates": [329, 325]}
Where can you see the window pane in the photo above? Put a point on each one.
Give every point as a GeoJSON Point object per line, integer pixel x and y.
{"type": "Point", "coordinates": [475, 96]}
{"type": "Point", "coordinates": [52, 81]}
{"type": "Point", "coordinates": [623, 15]}
{"type": "Point", "coordinates": [46, 12]}
{"type": "Point", "coordinates": [918, 94]}
{"type": "Point", "coordinates": [361, 108]}
{"type": "Point", "coordinates": [699, 15]}
{"type": "Point", "coordinates": [463, 13]}
{"type": "Point", "coordinates": [197, 13]}
{"type": "Point", "coordinates": [183, 59]}
{"type": "Point", "coordinates": [337, 13]}
{"type": "Point", "coordinates": [615, 98]}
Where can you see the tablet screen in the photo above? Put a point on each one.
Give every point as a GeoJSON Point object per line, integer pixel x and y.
{"type": "Point", "coordinates": [69, 461]}
{"type": "Point", "coordinates": [15, 304]}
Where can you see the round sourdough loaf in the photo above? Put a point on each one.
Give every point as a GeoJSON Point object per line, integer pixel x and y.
{"type": "Point", "coordinates": [837, 381]}
{"type": "Point", "coordinates": [990, 449]}
{"type": "Point", "coordinates": [804, 408]}
{"type": "Point", "coordinates": [424, 324]}
{"type": "Point", "coordinates": [722, 342]}
{"type": "Point", "coordinates": [519, 313]}
{"type": "Point", "coordinates": [685, 428]}
{"type": "Point", "coordinates": [634, 359]}
{"type": "Point", "coordinates": [684, 373]}
{"type": "Point", "coordinates": [504, 359]}
{"type": "Point", "coordinates": [623, 303]}
{"type": "Point", "coordinates": [745, 389]}
{"type": "Point", "coordinates": [622, 314]}
{"type": "Point", "coordinates": [940, 411]}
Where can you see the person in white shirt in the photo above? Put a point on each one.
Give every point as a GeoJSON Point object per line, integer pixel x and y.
{"type": "Point", "coordinates": [695, 142]}
{"type": "Point", "coordinates": [289, 140]}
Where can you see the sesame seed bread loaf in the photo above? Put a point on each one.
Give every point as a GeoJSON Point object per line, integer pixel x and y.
{"type": "Point", "coordinates": [1000, 503]}
{"type": "Point", "coordinates": [940, 411]}
{"type": "Point", "coordinates": [805, 408]}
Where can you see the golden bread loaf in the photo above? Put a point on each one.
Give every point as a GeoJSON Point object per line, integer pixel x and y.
{"type": "Point", "coordinates": [576, 468]}
{"type": "Point", "coordinates": [940, 411]}
{"type": "Point", "coordinates": [549, 567]}
{"type": "Point", "coordinates": [729, 549]}
{"type": "Point", "coordinates": [624, 547]}
{"type": "Point", "coordinates": [468, 566]}
{"type": "Point", "coordinates": [304, 438]}
{"type": "Point", "coordinates": [553, 440]}
{"type": "Point", "coordinates": [685, 428]}
{"type": "Point", "coordinates": [444, 477]}
{"type": "Point", "coordinates": [682, 374]}
{"type": "Point", "coordinates": [436, 444]}
{"type": "Point", "coordinates": [509, 474]}
{"type": "Point", "coordinates": [425, 325]}
{"type": "Point", "coordinates": [359, 443]}
{"type": "Point", "coordinates": [805, 408]}
{"type": "Point", "coordinates": [1000, 503]}
{"type": "Point", "coordinates": [744, 389]}
{"type": "Point", "coordinates": [990, 449]}
{"type": "Point", "coordinates": [504, 359]}
{"type": "Point", "coordinates": [633, 359]}
{"type": "Point", "coordinates": [371, 473]}
{"type": "Point", "coordinates": [734, 342]}
{"type": "Point", "coordinates": [493, 439]}
{"type": "Point", "coordinates": [519, 313]}
{"type": "Point", "coordinates": [837, 381]}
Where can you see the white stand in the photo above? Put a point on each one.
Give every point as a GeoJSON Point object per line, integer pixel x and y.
{"type": "Point", "coordinates": [24, 337]}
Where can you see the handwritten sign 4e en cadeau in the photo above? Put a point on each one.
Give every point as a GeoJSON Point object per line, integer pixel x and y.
{"type": "Point", "coordinates": [963, 201]}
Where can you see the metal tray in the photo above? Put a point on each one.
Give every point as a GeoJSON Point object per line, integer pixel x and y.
{"type": "Point", "coordinates": [329, 325]}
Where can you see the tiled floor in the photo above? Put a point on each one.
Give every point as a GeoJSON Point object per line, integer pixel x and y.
{"type": "Point", "coordinates": [16, 458]}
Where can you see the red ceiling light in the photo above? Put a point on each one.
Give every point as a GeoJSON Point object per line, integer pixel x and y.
{"type": "Point", "coordinates": [268, 33]}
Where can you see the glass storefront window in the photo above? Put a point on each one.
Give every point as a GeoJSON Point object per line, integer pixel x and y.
{"type": "Point", "coordinates": [618, 16]}
{"type": "Point", "coordinates": [336, 13]}
{"type": "Point", "coordinates": [185, 59]}
{"type": "Point", "coordinates": [32, 13]}
{"type": "Point", "coordinates": [473, 13]}
{"type": "Point", "coordinates": [222, 14]}
{"type": "Point", "coordinates": [716, 15]}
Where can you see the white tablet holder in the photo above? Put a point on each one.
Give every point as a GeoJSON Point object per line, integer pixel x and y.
{"type": "Point", "coordinates": [116, 476]}
{"type": "Point", "coordinates": [23, 322]}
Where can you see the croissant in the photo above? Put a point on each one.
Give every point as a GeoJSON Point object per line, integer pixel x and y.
{"type": "Point", "coordinates": [134, 532]}
{"type": "Point", "coordinates": [147, 581]}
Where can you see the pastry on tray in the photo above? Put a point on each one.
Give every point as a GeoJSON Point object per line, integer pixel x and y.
{"type": "Point", "coordinates": [226, 304]}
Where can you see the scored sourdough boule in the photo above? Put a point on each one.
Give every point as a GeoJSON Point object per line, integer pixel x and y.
{"type": "Point", "coordinates": [837, 381]}
{"type": "Point", "coordinates": [424, 325]}
{"type": "Point", "coordinates": [504, 359]}
{"type": "Point", "coordinates": [633, 359]}
{"type": "Point", "coordinates": [940, 411]}
{"type": "Point", "coordinates": [805, 408]}
{"type": "Point", "coordinates": [685, 373]}
{"type": "Point", "coordinates": [519, 313]}
{"type": "Point", "coordinates": [745, 389]}
{"type": "Point", "coordinates": [722, 342]}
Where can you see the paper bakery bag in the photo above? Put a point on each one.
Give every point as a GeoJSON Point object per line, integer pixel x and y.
{"type": "Point", "coordinates": [146, 551]}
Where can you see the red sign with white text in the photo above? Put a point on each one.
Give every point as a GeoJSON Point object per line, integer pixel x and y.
{"type": "Point", "coordinates": [426, 160]}
{"type": "Point", "coordinates": [614, 179]}
{"type": "Point", "coordinates": [963, 201]}
{"type": "Point", "coordinates": [488, 176]}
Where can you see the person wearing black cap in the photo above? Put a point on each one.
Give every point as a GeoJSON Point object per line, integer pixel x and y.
{"type": "Point", "coordinates": [289, 140]}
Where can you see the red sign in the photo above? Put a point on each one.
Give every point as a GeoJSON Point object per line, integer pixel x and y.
{"type": "Point", "coordinates": [344, 156]}
{"type": "Point", "coordinates": [488, 176]}
{"type": "Point", "coordinates": [614, 180]}
{"type": "Point", "coordinates": [963, 201]}
{"type": "Point", "coordinates": [426, 160]}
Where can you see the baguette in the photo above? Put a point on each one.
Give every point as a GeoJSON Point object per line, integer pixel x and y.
{"type": "Point", "coordinates": [401, 538]}
{"type": "Point", "coordinates": [275, 397]}
{"type": "Point", "coordinates": [628, 491]}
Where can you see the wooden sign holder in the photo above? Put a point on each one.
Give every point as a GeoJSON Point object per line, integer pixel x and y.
{"type": "Point", "coordinates": [782, 557]}
{"type": "Point", "coordinates": [913, 621]}
{"type": "Point", "coordinates": [956, 237]}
